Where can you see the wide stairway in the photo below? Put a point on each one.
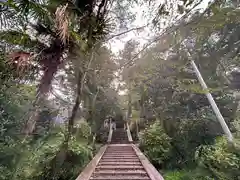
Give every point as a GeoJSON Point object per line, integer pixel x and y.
{"type": "Point", "coordinates": [120, 160]}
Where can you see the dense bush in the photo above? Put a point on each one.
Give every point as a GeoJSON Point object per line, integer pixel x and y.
{"type": "Point", "coordinates": [174, 175]}
{"type": "Point", "coordinates": [77, 156]}
{"type": "Point", "coordinates": [83, 130]}
{"type": "Point", "coordinates": [186, 175]}
{"type": "Point", "coordinates": [221, 160]}
{"type": "Point", "coordinates": [155, 143]}
{"type": "Point", "coordinates": [189, 135]}
{"type": "Point", "coordinates": [44, 159]}
{"type": "Point", "coordinates": [194, 156]}
{"type": "Point", "coordinates": [102, 135]}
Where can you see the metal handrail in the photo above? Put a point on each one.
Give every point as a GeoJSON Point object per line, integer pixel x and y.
{"type": "Point", "coordinates": [129, 133]}
{"type": "Point", "coordinates": [110, 133]}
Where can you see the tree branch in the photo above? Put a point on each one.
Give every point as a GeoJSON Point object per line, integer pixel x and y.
{"type": "Point", "coordinates": [168, 31]}
{"type": "Point", "coordinates": [125, 32]}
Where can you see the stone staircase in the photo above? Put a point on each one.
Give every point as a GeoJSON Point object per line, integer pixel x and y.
{"type": "Point", "coordinates": [120, 160]}
{"type": "Point", "coordinates": [119, 136]}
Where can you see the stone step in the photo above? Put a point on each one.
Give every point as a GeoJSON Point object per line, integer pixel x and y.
{"type": "Point", "coordinates": [119, 152]}
{"type": "Point", "coordinates": [122, 153]}
{"type": "Point", "coordinates": [119, 137]}
{"type": "Point", "coordinates": [120, 168]}
{"type": "Point", "coordinates": [119, 163]}
{"type": "Point", "coordinates": [120, 142]}
{"type": "Point", "coordinates": [119, 157]}
{"type": "Point", "coordinates": [120, 160]}
{"type": "Point", "coordinates": [113, 149]}
{"type": "Point", "coordinates": [120, 177]}
{"type": "Point", "coordinates": [122, 173]}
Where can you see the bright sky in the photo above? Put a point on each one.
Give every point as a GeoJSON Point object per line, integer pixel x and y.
{"type": "Point", "coordinates": [146, 34]}
{"type": "Point", "coordinates": [118, 43]}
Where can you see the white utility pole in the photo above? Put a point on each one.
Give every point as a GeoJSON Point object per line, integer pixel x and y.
{"type": "Point", "coordinates": [212, 102]}
{"type": "Point", "coordinates": [189, 44]}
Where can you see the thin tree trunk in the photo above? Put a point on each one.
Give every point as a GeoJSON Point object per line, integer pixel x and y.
{"type": "Point", "coordinates": [34, 113]}
{"type": "Point", "coordinates": [80, 86]}
{"type": "Point", "coordinates": [75, 108]}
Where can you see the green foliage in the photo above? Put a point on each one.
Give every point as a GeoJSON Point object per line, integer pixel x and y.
{"type": "Point", "coordinates": [220, 160]}
{"type": "Point", "coordinates": [155, 143]}
{"type": "Point", "coordinates": [41, 159]}
{"type": "Point", "coordinates": [18, 38]}
{"type": "Point", "coordinates": [83, 130]}
{"type": "Point", "coordinates": [77, 156]}
{"type": "Point", "coordinates": [188, 136]}
{"type": "Point", "coordinates": [174, 175]}
{"type": "Point", "coordinates": [15, 100]}
{"type": "Point", "coordinates": [186, 175]}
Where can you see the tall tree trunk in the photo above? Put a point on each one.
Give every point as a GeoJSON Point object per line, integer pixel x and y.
{"type": "Point", "coordinates": [75, 108]}
{"type": "Point", "coordinates": [80, 86]}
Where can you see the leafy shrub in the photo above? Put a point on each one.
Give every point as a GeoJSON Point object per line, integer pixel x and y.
{"type": "Point", "coordinates": [83, 130]}
{"type": "Point", "coordinates": [155, 143]}
{"type": "Point", "coordinates": [219, 160]}
{"type": "Point", "coordinates": [74, 160]}
{"type": "Point", "coordinates": [44, 160]}
{"type": "Point", "coordinates": [188, 136]}
{"type": "Point", "coordinates": [174, 175]}
{"type": "Point", "coordinates": [5, 173]}
{"type": "Point", "coordinates": [102, 135]}
{"type": "Point", "coordinates": [187, 175]}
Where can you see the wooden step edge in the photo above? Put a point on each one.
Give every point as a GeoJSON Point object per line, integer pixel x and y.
{"type": "Point", "coordinates": [114, 160]}
{"type": "Point", "coordinates": [118, 163]}
{"type": "Point", "coordinates": [116, 145]}
{"type": "Point", "coordinates": [89, 169]}
{"type": "Point", "coordinates": [149, 168]}
{"type": "Point", "coordinates": [120, 178]}
{"type": "Point", "coordinates": [123, 173]}
{"type": "Point", "coordinates": [121, 167]}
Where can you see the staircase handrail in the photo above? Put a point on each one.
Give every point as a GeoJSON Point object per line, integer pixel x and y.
{"type": "Point", "coordinates": [129, 133]}
{"type": "Point", "coordinates": [110, 133]}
